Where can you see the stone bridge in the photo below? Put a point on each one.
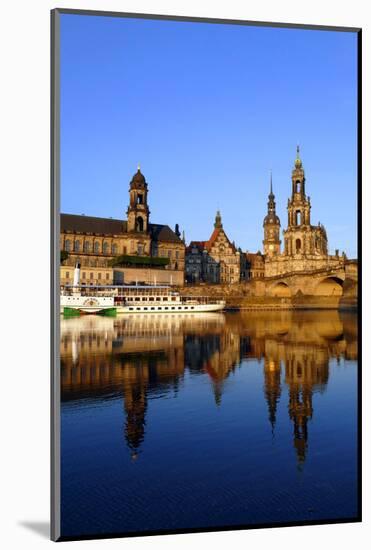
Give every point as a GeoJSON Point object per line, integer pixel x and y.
{"type": "Point", "coordinates": [339, 282]}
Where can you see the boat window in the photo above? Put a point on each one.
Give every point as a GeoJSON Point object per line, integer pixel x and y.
{"type": "Point", "coordinates": [145, 308]}
{"type": "Point", "coordinates": [160, 308]}
{"type": "Point", "coordinates": [166, 308]}
{"type": "Point", "coordinates": [158, 299]}
{"type": "Point", "coordinates": [153, 308]}
{"type": "Point", "coordinates": [131, 308]}
{"type": "Point", "coordinates": [173, 308]}
{"type": "Point", "coordinates": [138, 308]}
{"type": "Point", "coordinates": [137, 299]}
{"type": "Point", "coordinates": [151, 299]}
{"type": "Point", "coordinates": [192, 307]}
{"type": "Point", "coordinates": [186, 307]}
{"type": "Point", "coordinates": [179, 308]}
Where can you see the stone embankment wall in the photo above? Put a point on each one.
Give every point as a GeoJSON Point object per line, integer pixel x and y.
{"type": "Point", "coordinates": [251, 295]}
{"type": "Point", "coordinates": [148, 276]}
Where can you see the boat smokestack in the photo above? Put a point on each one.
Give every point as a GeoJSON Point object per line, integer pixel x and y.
{"type": "Point", "coordinates": [76, 275]}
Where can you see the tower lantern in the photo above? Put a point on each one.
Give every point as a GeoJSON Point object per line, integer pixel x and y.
{"type": "Point", "coordinates": [218, 220]}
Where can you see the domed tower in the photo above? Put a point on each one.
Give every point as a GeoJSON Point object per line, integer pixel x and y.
{"type": "Point", "coordinates": [138, 211]}
{"type": "Point", "coordinates": [272, 227]}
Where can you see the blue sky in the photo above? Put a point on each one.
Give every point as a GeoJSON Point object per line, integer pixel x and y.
{"type": "Point", "coordinates": [207, 111]}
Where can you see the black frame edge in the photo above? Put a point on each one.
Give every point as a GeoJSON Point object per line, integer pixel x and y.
{"type": "Point", "coordinates": [55, 530]}
{"type": "Point", "coordinates": [197, 19]}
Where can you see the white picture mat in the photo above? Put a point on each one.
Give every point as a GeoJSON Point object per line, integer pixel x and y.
{"type": "Point", "coordinates": [25, 147]}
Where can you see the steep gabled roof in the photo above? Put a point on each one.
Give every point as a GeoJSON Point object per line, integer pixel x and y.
{"type": "Point", "coordinates": [215, 235]}
{"type": "Point", "coordinates": [200, 245]}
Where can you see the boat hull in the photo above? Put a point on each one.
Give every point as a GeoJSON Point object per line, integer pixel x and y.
{"type": "Point", "coordinates": [178, 308]}
{"type": "Point", "coordinates": [76, 311]}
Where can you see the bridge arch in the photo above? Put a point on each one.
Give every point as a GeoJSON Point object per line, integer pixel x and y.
{"type": "Point", "coordinates": [329, 286]}
{"type": "Point", "coordinates": [281, 290]}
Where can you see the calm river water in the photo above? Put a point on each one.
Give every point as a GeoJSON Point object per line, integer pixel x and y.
{"type": "Point", "coordinates": [206, 420]}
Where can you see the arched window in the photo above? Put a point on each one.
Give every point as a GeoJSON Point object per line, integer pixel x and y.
{"type": "Point", "coordinates": [114, 249]}
{"type": "Point", "coordinates": [67, 245]}
{"type": "Point", "coordinates": [297, 186]}
{"type": "Point", "coordinates": [140, 199]}
{"type": "Point", "coordinates": [298, 217]}
{"type": "Point", "coordinates": [86, 246]}
{"type": "Point", "coordinates": [298, 245]}
{"type": "Point", "coordinates": [105, 248]}
{"type": "Point", "coordinates": [124, 250]}
{"type": "Point", "coordinates": [77, 246]}
{"type": "Point", "coordinates": [140, 224]}
{"type": "Point", "coordinates": [96, 247]}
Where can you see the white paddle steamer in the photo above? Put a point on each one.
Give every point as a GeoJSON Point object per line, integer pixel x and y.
{"type": "Point", "coordinates": [118, 299]}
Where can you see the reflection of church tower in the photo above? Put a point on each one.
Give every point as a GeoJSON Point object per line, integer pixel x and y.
{"type": "Point", "coordinates": [305, 372]}
{"type": "Point", "coordinates": [272, 387]}
{"type": "Point", "coordinates": [300, 411]}
{"type": "Point", "coordinates": [138, 211]}
{"type": "Point", "coordinates": [272, 226]}
{"type": "Point", "coordinates": [135, 399]}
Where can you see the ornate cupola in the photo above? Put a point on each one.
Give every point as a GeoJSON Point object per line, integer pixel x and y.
{"type": "Point", "coordinates": [138, 211]}
{"type": "Point", "coordinates": [272, 227]}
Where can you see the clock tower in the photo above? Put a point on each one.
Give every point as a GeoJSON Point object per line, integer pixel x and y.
{"type": "Point", "coordinates": [272, 227]}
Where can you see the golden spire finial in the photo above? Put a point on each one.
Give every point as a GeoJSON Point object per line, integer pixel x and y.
{"type": "Point", "coordinates": [138, 167]}
{"type": "Point", "coordinates": [298, 163]}
{"type": "Point", "coordinates": [271, 183]}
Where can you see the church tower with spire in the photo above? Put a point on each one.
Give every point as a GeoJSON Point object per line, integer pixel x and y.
{"type": "Point", "coordinates": [305, 246]}
{"type": "Point", "coordinates": [138, 211]}
{"type": "Point", "coordinates": [272, 227]}
{"type": "Point", "coordinates": [301, 238]}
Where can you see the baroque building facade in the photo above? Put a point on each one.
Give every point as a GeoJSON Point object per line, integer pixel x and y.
{"type": "Point", "coordinates": [214, 261]}
{"type": "Point", "coordinates": [254, 265]}
{"type": "Point", "coordinates": [95, 242]}
{"type": "Point", "coordinates": [305, 245]}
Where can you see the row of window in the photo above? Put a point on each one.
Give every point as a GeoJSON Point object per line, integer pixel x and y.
{"type": "Point", "coordinates": [159, 308]}
{"type": "Point", "coordinates": [83, 275]}
{"type": "Point", "coordinates": [87, 247]}
{"type": "Point", "coordinates": [169, 253]}
{"type": "Point", "coordinates": [151, 299]}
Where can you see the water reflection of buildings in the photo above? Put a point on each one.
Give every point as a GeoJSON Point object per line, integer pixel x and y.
{"type": "Point", "coordinates": [141, 357]}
